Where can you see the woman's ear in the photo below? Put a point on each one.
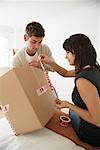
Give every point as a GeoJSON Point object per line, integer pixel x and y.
{"type": "Point", "coordinates": [26, 37]}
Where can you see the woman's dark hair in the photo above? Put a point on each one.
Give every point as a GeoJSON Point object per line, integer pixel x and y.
{"type": "Point", "coordinates": [81, 46]}
{"type": "Point", "coordinates": [35, 29]}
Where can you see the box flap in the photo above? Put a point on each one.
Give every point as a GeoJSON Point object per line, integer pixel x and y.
{"type": "Point", "coordinates": [3, 70]}
{"type": "Point", "coordinates": [21, 113]}
{"type": "Point", "coordinates": [32, 79]}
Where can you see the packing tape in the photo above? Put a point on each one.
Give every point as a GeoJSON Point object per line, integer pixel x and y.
{"type": "Point", "coordinates": [64, 120]}
{"type": "Point", "coordinates": [48, 80]}
{"type": "Point", "coordinates": [4, 108]}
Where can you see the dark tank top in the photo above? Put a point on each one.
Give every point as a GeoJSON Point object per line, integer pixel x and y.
{"type": "Point", "coordinates": [87, 132]}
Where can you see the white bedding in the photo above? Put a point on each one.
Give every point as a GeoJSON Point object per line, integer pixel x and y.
{"type": "Point", "coordinates": [43, 139]}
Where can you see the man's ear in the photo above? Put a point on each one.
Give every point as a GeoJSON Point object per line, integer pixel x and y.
{"type": "Point", "coordinates": [26, 37]}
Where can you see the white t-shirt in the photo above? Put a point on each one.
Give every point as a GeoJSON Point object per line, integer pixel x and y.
{"type": "Point", "coordinates": [21, 57]}
{"type": "Point", "coordinates": [30, 58]}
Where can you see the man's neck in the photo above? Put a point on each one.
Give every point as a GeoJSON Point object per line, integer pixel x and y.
{"type": "Point", "coordinates": [30, 54]}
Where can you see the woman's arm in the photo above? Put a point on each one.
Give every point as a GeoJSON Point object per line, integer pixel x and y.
{"type": "Point", "coordinates": [60, 70]}
{"type": "Point", "coordinates": [89, 95]}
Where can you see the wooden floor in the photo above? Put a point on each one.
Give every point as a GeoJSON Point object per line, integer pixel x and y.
{"type": "Point", "coordinates": [54, 125]}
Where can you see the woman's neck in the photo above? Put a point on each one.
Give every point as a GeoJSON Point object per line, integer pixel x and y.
{"type": "Point", "coordinates": [87, 66]}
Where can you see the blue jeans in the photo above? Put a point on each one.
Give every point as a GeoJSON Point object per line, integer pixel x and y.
{"type": "Point", "coordinates": [75, 120]}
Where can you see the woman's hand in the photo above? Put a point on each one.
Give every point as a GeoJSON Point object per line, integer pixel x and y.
{"type": "Point", "coordinates": [62, 104]}
{"type": "Point", "coordinates": [44, 59]}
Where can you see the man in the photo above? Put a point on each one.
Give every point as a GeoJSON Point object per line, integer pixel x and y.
{"type": "Point", "coordinates": [28, 56]}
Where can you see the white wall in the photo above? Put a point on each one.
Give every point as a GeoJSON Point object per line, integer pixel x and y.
{"type": "Point", "coordinates": [60, 19]}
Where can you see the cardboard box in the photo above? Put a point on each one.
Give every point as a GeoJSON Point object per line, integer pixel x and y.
{"type": "Point", "coordinates": [26, 98]}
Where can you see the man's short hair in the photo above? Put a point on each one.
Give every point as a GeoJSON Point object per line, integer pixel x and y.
{"type": "Point", "coordinates": [35, 29]}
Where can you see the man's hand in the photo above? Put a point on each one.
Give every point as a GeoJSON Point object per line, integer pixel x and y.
{"type": "Point", "coordinates": [35, 63]}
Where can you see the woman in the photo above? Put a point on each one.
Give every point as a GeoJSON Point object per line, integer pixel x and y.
{"type": "Point", "coordinates": [85, 112]}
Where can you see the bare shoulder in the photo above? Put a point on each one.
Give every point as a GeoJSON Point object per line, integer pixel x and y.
{"type": "Point", "coordinates": [83, 82]}
{"type": "Point", "coordinates": [85, 87]}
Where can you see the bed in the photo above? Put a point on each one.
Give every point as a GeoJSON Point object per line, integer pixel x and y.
{"type": "Point", "coordinates": [43, 139]}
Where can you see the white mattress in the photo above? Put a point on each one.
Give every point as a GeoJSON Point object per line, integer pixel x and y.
{"type": "Point", "coordinates": [43, 139]}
